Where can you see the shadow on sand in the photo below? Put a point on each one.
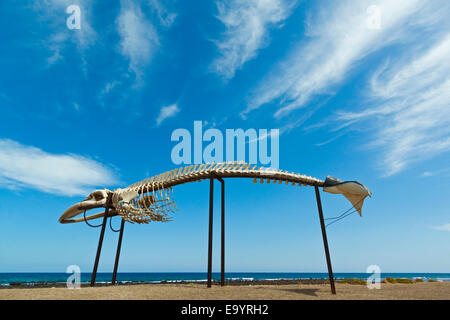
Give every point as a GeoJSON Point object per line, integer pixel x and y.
{"type": "Point", "coordinates": [308, 292]}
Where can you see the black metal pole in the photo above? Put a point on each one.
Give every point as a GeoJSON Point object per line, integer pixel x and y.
{"type": "Point", "coordinates": [325, 241]}
{"type": "Point", "coordinates": [119, 245]}
{"type": "Point", "coordinates": [99, 247]}
{"type": "Point", "coordinates": [210, 233]}
{"type": "Point", "coordinates": [222, 257]}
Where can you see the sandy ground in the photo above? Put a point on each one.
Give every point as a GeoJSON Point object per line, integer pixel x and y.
{"type": "Point", "coordinates": [423, 291]}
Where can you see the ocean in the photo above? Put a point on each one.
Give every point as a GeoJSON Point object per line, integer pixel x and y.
{"type": "Point", "coordinates": [29, 278]}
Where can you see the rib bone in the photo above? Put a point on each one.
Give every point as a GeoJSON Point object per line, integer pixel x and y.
{"type": "Point", "coordinates": [152, 200]}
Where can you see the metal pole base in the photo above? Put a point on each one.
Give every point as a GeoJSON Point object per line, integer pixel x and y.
{"type": "Point", "coordinates": [222, 251]}
{"type": "Point", "coordinates": [325, 241]}
{"type": "Point", "coordinates": [99, 248]}
{"type": "Point", "coordinates": [222, 238]}
{"type": "Point", "coordinates": [210, 231]}
{"type": "Point", "coordinates": [119, 245]}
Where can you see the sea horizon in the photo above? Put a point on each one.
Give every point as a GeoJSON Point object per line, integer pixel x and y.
{"type": "Point", "coordinates": [30, 278]}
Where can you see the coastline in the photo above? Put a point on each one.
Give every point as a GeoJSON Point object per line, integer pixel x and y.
{"type": "Point", "coordinates": [21, 285]}
{"type": "Point", "coordinates": [197, 291]}
{"type": "Point", "coordinates": [237, 282]}
{"type": "Point", "coordinates": [55, 279]}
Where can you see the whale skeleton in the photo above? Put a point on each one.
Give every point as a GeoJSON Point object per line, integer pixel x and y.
{"type": "Point", "coordinates": [152, 199]}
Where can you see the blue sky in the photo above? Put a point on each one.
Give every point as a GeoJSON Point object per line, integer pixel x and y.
{"type": "Point", "coordinates": [358, 91]}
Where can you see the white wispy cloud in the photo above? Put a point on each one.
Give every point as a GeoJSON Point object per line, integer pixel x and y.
{"type": "Point", "coordinates": [444, 227]}
{"type": "Point", "coordinates": [165, 17]}
{"type": "Point", "coordinates": [140, 25]}
{"type": "Point", "coordinates": [53, 12]}
{"type": "Point", "coordinates": [411, 105]}
{"type": "Point", "coordinates": [441, 172]}
{"type": "Point", "coordinates": [337, 38]}
{"type": "Point", "coordinates": [139, 38]}
{"type": "Point", "coordinates": [409, 94]}
{"type": "Point", "coordinates": [247, 23]}
{"type": "Point", "coordinates": [109, 87]}
{"type": "Point", "coordinates": [167, 112]}
{"type": "Point", "coordinates": [23, 166]}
